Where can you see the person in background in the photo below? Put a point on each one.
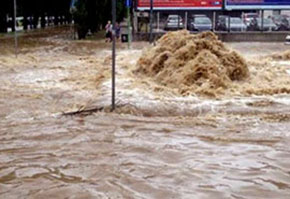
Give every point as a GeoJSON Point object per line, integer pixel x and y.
{"type": "Point", "coordinates": [108, 32]}
{"type": "Point", "coordinates": [118, 31]}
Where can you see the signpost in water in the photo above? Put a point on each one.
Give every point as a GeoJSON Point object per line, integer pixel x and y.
{"type": "Point", "coordinates": [15, 31]}
{"type": "Point", "coordinates": [128, 5]}
{"type": "Point", "coordinates": [151, 21]}
{"type": "Point", "coordinates": [113, 52]}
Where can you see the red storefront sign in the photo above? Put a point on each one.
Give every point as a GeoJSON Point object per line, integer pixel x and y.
{"type": "Point", "coordinates": [180, 4]}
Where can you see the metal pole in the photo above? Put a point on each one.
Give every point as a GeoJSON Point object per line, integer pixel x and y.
{"type": "Point", "coordinates": [15, 32]}
{"type": "Point", "coordinates": [178, 21]}
{"type": "Point", "coordinates": [213, 21]}
{"type": "Point", "coordinates": [151, 21]}
{"type": "Point", "coordinates": [158, 21]}
{"type": "Point", "coordinates": [136, 21]}
{"type": "Point", "coordinates": [113, 52]}
{"type": "Point", "coordinates": [129, 26]}
{"type": "Point", "coordinates": [262, 21]}
{"type": "Point", "coordinates": [185, 21]}
{"type": "Point", "coordinates": [229, 23]}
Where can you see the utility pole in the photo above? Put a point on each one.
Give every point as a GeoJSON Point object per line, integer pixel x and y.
{"type": "Point", "coordinates": [151, 21]}
{"type": "Point", "coordinates": [262, 20]}
{"type": "Point", "coordinates": [15, 32]}
{"type": "Point", "coordinates": [113, 52]}
{"type": "Point", "coordinates": [128, 3]}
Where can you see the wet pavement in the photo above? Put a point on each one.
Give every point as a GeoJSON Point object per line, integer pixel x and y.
{"type": "Point", "coordinates": [169, 147]}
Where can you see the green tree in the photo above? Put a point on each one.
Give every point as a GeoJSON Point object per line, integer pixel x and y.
{"type": "Point", "coordinates": [90, 14]}
{"type": "Point", "coordinates": [94, 14]}
{"type": "Point", "coordinates": [3, 13]}
{"type": "Point", "coordinates": [35, 9]}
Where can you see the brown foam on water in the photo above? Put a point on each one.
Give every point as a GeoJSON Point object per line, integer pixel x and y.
{"type": "Point", "coordinates": [192, 64]}
{"type": "Point", "coordinates": [281, 56]}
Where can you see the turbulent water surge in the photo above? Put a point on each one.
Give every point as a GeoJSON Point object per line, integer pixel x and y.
{"type": "Point", "coordinates": [158, 144]}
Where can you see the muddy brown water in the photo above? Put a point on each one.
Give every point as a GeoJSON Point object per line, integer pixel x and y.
{"type": "Point", "coordinates": [233, 148]}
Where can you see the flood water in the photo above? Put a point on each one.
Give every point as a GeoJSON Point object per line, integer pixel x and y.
{"type": "Point", "coordinates": [171, 148]}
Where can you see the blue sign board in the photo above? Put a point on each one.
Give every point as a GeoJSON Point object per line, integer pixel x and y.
{"type": "Point", "coordinates": [256, 4]}
{"type": "Point", "coordinates": [128, 3]}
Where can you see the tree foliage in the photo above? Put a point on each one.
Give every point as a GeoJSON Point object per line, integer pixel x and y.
{"type": "Point", "coordinates": [90, 14]}
{"type": "Point", "coordinates": [94, 14]}
{"type": "Point", "coordinates": [33, 10]}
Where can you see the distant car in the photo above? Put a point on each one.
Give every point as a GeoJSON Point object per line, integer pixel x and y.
{"type": "Point", "coordinates": [247, 17]}
{"type": "Point", "coordinates": [256, 25]}
{"type": "Point", "coordinates": [281, 21]}
{"type": "Point", "coordinates": [200, 23]}
{"type": "Point", "coordinates": [287, 40]}
{"type": "Point", "coordinates": [236, 24]}
{"type": "Point", "coordinates": [278, 18]}
{"type": "Point", "coordinates": [174, 22]}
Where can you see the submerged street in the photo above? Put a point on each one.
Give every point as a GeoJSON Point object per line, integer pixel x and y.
{"type": "Point", "coordinates": [157, 144]}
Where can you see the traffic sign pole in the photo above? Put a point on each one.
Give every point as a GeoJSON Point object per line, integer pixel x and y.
{"type": "Point", "coordinates": [151, 21]}
{"type": "Point", "coordinates": [113, 52]}
{"type": "Point", "coordinates": [15, 31]}
{"type": "Point", "coordinates": [128, 5]}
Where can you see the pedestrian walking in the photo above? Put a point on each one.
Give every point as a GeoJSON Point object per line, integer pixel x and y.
{"type": "Point", "coordinates": [109, 29]}
{"type": "Point", "coordinates": [118, 31]}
